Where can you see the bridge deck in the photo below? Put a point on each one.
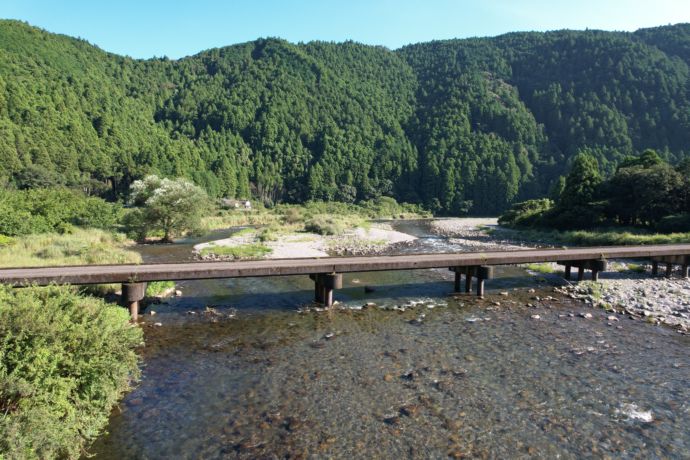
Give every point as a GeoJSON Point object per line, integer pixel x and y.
{"type": "Point", "coordinates": [94, 274]}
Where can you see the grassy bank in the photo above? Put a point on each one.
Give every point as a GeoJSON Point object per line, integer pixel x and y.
{"type": "Point", "coordinates": [65, 360]}
{"type": "Point", "coordinates": [157, 288]}
{"type": "Point", "coordinates": [600, 237]}
{"type": "Point", "coordinates": [326, 217]}
{"type": "Point", "coordinates": [80, 247]}
{"type": "Point", "coordinates": [243, 251]}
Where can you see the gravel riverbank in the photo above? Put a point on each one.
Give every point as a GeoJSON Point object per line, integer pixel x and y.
{"type": "Point", "coordinates": [377, 238]}
{"type": "Point", "coordinates": [471, 232]}
{"type": "Point", "coordinates": [656, 300]}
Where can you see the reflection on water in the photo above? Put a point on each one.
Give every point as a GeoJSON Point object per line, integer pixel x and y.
{"type": "Point", "coordinates": [465, 378]}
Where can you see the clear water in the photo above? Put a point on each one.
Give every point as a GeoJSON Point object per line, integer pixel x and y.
{"type": "Point", "coordinates": [452, 376]}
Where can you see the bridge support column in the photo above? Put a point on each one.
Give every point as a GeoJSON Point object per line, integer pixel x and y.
{"type": "Point", "coordinates": [483, 272]}
{"type": "Point", "coordinates": [670, 261]}
{"type": "Point", "coordinates": [596, 266]}
{"type": "Point", "coordinates": [459, 271]}
{"type": "Point", "coordinates": [132, 294]}
{"type": "Point", "coordinates": [595, 274]}
{"type": "Point", "coordinates": [324, 285]}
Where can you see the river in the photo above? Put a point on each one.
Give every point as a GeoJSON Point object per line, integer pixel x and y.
{"type": "Point", "coordinates": [424, 374]}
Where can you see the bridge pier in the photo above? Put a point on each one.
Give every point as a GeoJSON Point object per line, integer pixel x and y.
{"type": "Point", "coordinates": [481, 272]}
{"type": "Point", "coordinates": [132, 294]}
{"type": "Point", "coordinates": [324, 285]}
{"type": "Point", "coordinates": [596, 266]}
{"type": "Point", "coordinates": [670, 261]}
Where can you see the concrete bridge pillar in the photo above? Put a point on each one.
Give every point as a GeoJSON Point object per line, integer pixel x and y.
{"type": "Point", "coordinates": [132, 294]}
{"type": "Point", "coordinates": [324, 285]}
{"type": "Point", "coordinates": [481, 272]}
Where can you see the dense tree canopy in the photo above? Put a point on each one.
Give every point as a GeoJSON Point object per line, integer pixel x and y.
{"type": "Point", "coordinates": [645, 191]}
{"type": "Point", "coordinates": [459, 125]}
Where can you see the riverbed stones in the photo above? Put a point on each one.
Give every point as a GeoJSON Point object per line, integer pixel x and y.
{"type": "Point", "coordinates": [665, 300]}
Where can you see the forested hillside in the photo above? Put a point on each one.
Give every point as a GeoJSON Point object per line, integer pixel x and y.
{"type": "Point", "coordinates": [460, 125]}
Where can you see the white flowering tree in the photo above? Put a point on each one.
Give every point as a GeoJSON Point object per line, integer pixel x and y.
{"type": "Point", "coordinates": [172, 206]}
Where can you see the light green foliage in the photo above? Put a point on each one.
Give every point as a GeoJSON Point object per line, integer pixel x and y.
{"type": "Point", "coordinates": [54, 210]}
{"type": "Point", "coordinates": [540, 268]}
{"type": "Point", "coordinates": [326, 225]}
{"type": "Point", "coordinates": [172, 206]}
{"type": "Point", "coordinates": [637, 268]}
{"type": "Point", "coordinates": [65, 360]}
{"type": "Point", "coordinates": [243, 251]}
{"type": "Point", "coordinates": [81, 247]}
{"type": "Point", "coordinates": [155, 288]}
{"type": "Point", "coordinates": [268, 234]}
{"type": "Point", "coordinates": [594, 237]}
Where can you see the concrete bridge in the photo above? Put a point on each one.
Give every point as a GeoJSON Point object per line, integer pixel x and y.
{"type": "Point", "coordinates": [327, 272]}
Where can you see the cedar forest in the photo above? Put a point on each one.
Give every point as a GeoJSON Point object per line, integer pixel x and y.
{"type": "Point", "coordinates": [459, 126]}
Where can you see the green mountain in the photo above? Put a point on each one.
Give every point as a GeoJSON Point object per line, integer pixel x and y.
{"type": "Point", "coordinates": [459, 125]}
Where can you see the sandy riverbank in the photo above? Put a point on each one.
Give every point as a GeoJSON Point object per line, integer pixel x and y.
{"type": "Point", "coordinates": [377, 238]}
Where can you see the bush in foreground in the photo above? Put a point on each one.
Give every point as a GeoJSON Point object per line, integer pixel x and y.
{"type": "Point", "coordinates": [65, 360]}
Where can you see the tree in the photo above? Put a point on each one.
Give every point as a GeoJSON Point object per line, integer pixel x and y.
{"type": "Point", "coordinates": [648, 159]}
{"type": "Point", "coordinates": [643, 195]}
{"type": "Point", "coordinates": [581, 183]}
{"type": "Point", "coordinates": [173, 206]}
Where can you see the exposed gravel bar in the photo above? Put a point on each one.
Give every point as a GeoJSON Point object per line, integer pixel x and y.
{"type": "Point", "coordinates": [657, 300]}
{"type": "Point", "coordinates": [471, 232]}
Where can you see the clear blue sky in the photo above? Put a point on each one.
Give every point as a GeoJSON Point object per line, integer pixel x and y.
{"type": "Point", "coordinates": [146, 28]}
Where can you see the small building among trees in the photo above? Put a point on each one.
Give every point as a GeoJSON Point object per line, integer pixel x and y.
{"type": "Point", "coordinates": [228, 203]}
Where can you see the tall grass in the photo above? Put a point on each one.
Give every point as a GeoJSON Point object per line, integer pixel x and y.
{"type": "Point", "coordinates": [348, 214]}
{"type": "Point", "coordinates": [602, 237]}
{"type": "Point", "coordinates": [244, 251]}
{"type": "Point", "coordinates": [81, 247]}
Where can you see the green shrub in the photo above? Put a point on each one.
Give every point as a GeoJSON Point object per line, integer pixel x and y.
{"type": "Point", "coordinates": [526, 214]}
{"type": "Point", "coordinates": [155, 288]}
{"type": "Point", "coordinates": [268, 234]}
{"type": "Point", "coordinates": [23, 212]}
{"type": "Point", "coordinates": [675, 223]}
{"type": "Point", "coordinates": [65, 360]}
{"type": "Point", "coordinates": [325, 225]}
{"type": "Point", "coordinates": [244, 251]}
{"type": "Point", "coordinates": [6, 241]}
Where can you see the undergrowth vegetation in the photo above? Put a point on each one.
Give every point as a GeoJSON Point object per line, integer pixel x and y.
{"type": "Point", "coordinates": [65, 360]}
{"type": "Point", "coordinates": [243, 251]}
{"type": "Point", "coordinates": [79, 247]}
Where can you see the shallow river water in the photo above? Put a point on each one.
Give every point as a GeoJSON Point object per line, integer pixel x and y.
{"type": "Point", "coordinates": [444, 376]}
